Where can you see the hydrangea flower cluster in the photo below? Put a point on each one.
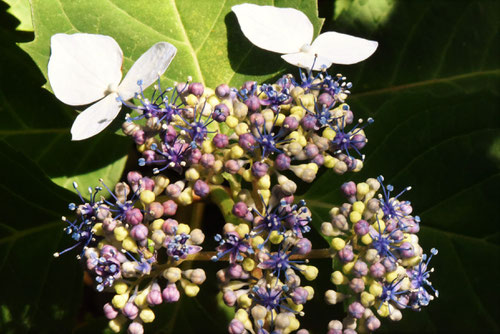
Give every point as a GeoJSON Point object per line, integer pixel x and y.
{"type": "Point", "coordinates": [132, 245]}
{"type": "Point", "coordinates": [253, 133]}
{"type": "Point", "coordinates": [267, 255]}
{"type": "Point", "coordinates": [382, 268]}
{"type": "Point", "coordinates": [254, 142]}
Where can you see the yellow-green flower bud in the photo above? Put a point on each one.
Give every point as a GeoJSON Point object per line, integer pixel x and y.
{"type": "Point", "coordinates": [147, 197]}
{"type": "Point", "coordinates": [147, 315]}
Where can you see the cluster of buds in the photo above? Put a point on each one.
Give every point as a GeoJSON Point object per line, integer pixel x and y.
{"type": "Point", "coordinates": [132, 245]}
{"type": "Point", "coordinates": [267, 254]}
{"type": "Point", "coordinates": [382, 268]}
{"type": "Point", "coordinates": [251, 133]}
{"type": "Point", "coordinates": [254, 140]}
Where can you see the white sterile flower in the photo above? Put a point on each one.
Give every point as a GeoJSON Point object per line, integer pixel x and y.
{"type": "Point", "coordinates": [288, 31]}
{"type": "Point", "coordinates": [84, 68]}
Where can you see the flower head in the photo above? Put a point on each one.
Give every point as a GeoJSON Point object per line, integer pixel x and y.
{"type": "Point", "coordinates": [289, 32]}
{"type": "Point", "coordinates": [85, 68]}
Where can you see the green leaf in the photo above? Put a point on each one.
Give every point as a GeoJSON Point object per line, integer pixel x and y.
{"type": "Point", "coordinates": [432, 87]}
{"type": "Point", "coordinates": [21, 10]}
{"type": "Point", "coordinates": [211, 47]}
{"type": "Point", "coordinates": [36, 123]}
{"type": "Point", "coordinates": [39, 293]}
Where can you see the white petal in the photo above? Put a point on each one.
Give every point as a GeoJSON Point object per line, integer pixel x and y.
{"type": "Point", "coordinates": [95, 118]}
{"type": "Point", "coordinates": [152, 64]}
{"type": "Point", "coordinates": [83, 67]}
{"type": "Point", "coordinates": [306, 60]}
{"type": "Point", "coordinates": [281, 30]}
{"type": "Point", "coordinates": [342, 48]}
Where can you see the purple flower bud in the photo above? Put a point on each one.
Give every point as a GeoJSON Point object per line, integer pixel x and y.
{"type": "Point", "coordinates": [173, 190]}
{"type": "Point", "coordinates": [346, 254]}
{"type": "Point", "coordinates": [235, 271]}
{"type": "Point", "coordinates": [377, 270]}
{"type": "Point", "coordinates": [171, 294]}
{"type": "Point", "coordinates": [194, 156]}
{"type": "Point", "coordinates": [362, 227]}
{"type": "Point", "coordinates": [109, 224]}
{"type": "Point", "coordinates": [406, 250]}
{"type": "Point", "coordinates": [133, 179]}
{"type": "Point", "coordinates": [358, 141]}
{"type": "Point", "coordinates": [207, 160]}
{"type": "Point", "coordinates": [319, 160]}
{"type": "Point", "coordinates": [229, 298]}
{"type": "Point", "coordinates": [308, 122]}
{"type": "Point", "coordinates": [154, 297]}
{"type": "Point", "coordinates": [139, 137]}
{"type": "Point", "coordinates": [201, 188]}
{"type": "Point", "coordinates": [282, 161]}
{"type": "Point", "coordinates": [334, 331]}
{"type": "Point", "coordinates": [109, 311]}
{"type": "Point", "coordinates": [139, 232]}
{"type": "Point", "coordinates": [248, 217]}
{"type": "Point", "coordinates": [290, 123]}
{"type": "Point", "coordinates": [221, 111]}
{"type": "Point", "coordinates": [196, 88]}
{"type": "Point", "coordinates": [300, 295]}
{"type": "Point", "coordinates": [170, 134]}
{"type": "Point", "coordinates": [156, 210]}
{"type": "Point", "coordinates": [108, 251]}
{"type": "Point", "coordinates": [247, 141]}
{"type": "Point", "coordinates": [147, 183]}
{"type": "Point", "coordinates": [169, 208]}
{"type": "Point", "coordinates": [303, 246]}
{"type": "Point", "coordinates": [253, 103]}
{"type": "Point", "coordinates": [130, 310]}
{"type": "Point", "coordinates": [349, 117]}
{"type": "Point", "coordinates": [220, 140]}
{"type": "Point", "coordinates": [311, 150]}
{"type": "Point", "coordinates": [222, 90]}
{"type": "Point", "coordinates": [240, 210]}
{"type": "Point", "coordinates": [349, 189]}
{"type": "Point", "coordinates": [372, 323]}
{"type": "Point", "coordinates": [349, 331]}
{"type": "Point", "coordinates": [259, 169]}
{"type": "Point", "coordinates": [232, 166]}
{"type": "Point", "coordinates": [248, 85]}
{"type": "Point", "coordinates": [134, 216]}
{"type": "Point", "coordinates": [257, 120]}
{"type": "Point", "coordinates": [357, 285]}
{"type": "Point", "coordinates": [356, 310]}
{"type": "Point", "coordinates": [325, 99]}
{"type": "Point", "coordinates": [406, 208]}
{"type": "Point", "coordinates": [135, 328]}
{"type": "Point", "coordinates": [170, 226]}
{"type": "Point", "coordinates": [236, 327]}
{"type": "Point", "coordinates": [360, 269]}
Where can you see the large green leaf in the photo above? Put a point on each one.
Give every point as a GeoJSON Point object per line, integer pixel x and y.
{"type": "Point", "coordinates": [432, 87]}
{"type": "Point", "coordinates": [39, 293]}
{"type": "Point", "coordinates": [210, 45]}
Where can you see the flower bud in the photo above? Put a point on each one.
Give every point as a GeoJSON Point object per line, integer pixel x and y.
{"type": "Point", "coordinates": [135, 328]}
{"type": "Point", "coordinates": [139, 232]}
{"type": "Point", "coordinates": [109, 311]}
{"type": "Point", "coordinates": [130, 310]}
{"type": "Point", "coordinates": [169, 208]}
{"type": "Point", "coordinates": [133, 216]}
{"type": "Point", "coordinates": [171, 294]}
